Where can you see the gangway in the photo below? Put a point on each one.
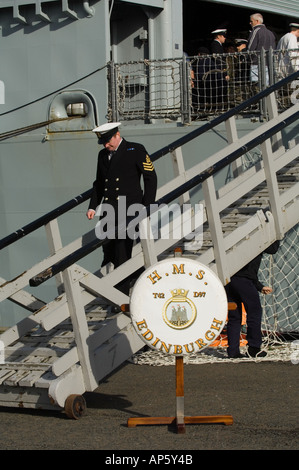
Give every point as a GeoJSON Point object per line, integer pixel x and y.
{"type": "Point", "coordinates": [67, 346]}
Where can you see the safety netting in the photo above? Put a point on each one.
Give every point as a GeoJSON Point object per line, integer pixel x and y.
{"type": "Point", "coordinates": [280, 322]}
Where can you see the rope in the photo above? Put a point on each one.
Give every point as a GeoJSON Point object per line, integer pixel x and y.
{"type": "Point", "coordinates": [22, 130]}
{"type": "Point", "coordinates": [53, 92]}
{"type": "Point", "coordinates": [276, 352]}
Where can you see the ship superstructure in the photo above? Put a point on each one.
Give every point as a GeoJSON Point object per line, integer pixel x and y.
{"type": "Point", "coordinates": [72, 65]}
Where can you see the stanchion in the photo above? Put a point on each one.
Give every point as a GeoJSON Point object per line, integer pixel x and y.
{"type": "Point", "coordinates": [180, 420]}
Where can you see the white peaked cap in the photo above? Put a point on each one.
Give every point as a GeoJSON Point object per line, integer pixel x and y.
{"type": "Point", "coordinates": [219, 31]}
{"type": "Point", "coordinates": [109, 126]}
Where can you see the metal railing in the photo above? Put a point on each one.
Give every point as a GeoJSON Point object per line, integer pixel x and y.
{"type": "Point", "coordinates": [195, 88]}
{"type": "Point", "coordinates": [166, 199]}
{"type": "Point", "coordinates": [79, 287]}
{"type": "Point", "coordinates": [79, 199]}
{"type": "Point", "coordinates": [194, 181]}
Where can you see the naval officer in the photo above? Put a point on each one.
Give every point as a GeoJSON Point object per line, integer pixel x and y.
{"type": "Point", "coordinates": [219, 78]}
{"type": "Point", "coordinates": [120, 166]}
{"type": "Point", "coordinates": [219, 38]}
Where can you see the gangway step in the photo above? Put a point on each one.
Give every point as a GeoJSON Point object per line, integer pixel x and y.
{"type": "Point", "coordinates": [28, 363]}
{"type": "Point", "coordinates": [241, 210]}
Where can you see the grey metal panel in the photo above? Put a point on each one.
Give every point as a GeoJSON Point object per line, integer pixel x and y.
{"type": "Point", "coordinates": [149, 3]}
{"type": "Point", "coordinates": [9, 3]}
{"type": "Point", "coordinates": [41, 58]}
{"type": "Point", "coordinates": [282, 7]}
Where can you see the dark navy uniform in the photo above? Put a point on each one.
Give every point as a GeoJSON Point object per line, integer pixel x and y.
{"type": "Point", "coordinates": [217, 79]}
{"type": "Point", "coordinates": [244, 288]}
{"type": "Point", "coordinates": [216, 47]}
{"type": "Point", "coordinates": [121, 176]}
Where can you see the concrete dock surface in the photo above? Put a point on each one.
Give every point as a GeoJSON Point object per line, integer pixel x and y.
{"type": "Point", "coordinates": [262, 399]}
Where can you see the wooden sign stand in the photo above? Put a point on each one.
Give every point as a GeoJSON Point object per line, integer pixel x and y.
{"type": "Point", "coordinates": [180, 420]}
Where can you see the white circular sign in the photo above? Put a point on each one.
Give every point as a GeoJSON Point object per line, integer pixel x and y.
{"type": "Point", "coordinates": [178, 306]}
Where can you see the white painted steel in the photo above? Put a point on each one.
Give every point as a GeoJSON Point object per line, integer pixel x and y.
{"type": "Point", "coordinates": [69, 344]}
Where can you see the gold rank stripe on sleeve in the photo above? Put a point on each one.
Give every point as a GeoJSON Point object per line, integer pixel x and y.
{"type": "Point", "coordinates": [148, 164]}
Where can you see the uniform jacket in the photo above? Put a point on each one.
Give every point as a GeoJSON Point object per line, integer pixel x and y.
{"type": "Point", "coordinates": [216, 47]}
{"type": "Point", "coordinates": [121, 176]}
{"type": "Point", "coordinates": [250, 271]}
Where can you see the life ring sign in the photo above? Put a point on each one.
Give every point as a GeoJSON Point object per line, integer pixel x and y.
{"type": "Point", "coordinates": [178, 306]}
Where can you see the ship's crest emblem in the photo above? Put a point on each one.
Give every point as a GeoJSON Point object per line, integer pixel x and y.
{"type": "Point", "coordinates": [179, 311]}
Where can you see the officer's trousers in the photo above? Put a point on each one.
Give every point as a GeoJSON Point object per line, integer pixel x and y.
{"type": "Point", "coordinates": [242, 290]}
{"type": "Point", "coordinates": [118, 251]}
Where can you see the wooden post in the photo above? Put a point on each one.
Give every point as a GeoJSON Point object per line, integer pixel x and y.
{"type": "Point", "coordinates": [180, 418]}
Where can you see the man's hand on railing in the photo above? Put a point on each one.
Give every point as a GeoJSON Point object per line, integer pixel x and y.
{"type": "Point", "coordinates": [90, 214]}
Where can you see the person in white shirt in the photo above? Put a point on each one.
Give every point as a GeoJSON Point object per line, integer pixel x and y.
{"type": "Point", "coordinates": [288, 61]}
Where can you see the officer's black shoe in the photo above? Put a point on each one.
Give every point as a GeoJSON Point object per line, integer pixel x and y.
{"type": "Point", "coordinates": [256, 352]}
{"type": "Point", "coordinates": [237, 356]}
